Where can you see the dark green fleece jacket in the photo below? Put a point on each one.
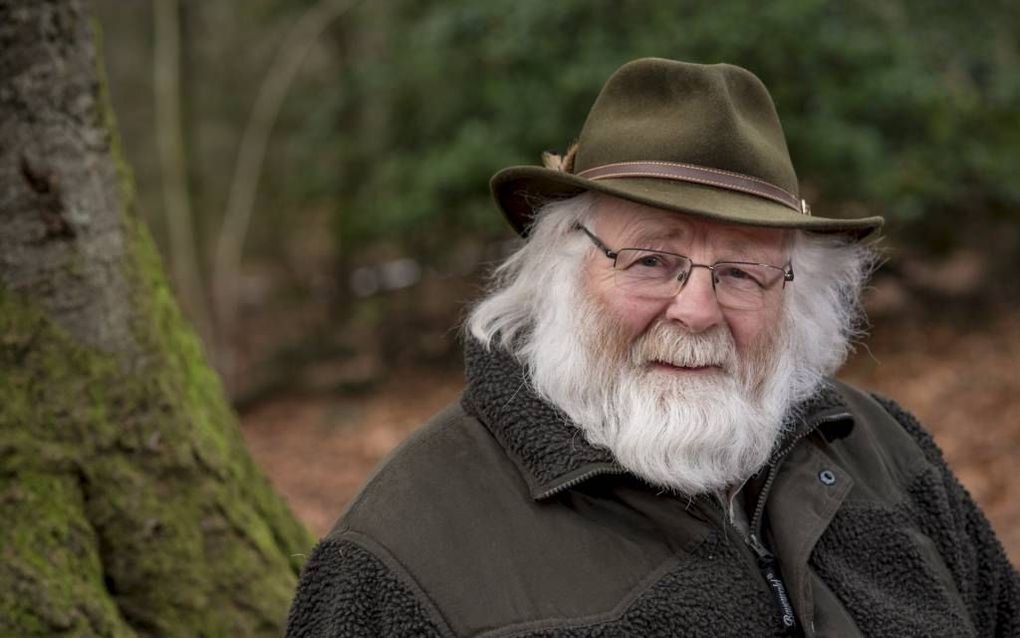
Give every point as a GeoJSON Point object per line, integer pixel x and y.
{"type": "Point", "coordinates": [498, 519]}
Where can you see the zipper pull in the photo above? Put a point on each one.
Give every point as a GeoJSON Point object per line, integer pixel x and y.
{"type": "Point", "coordinates": [764, 555]}
{"type": "Point", "coordinates": [767, 565]}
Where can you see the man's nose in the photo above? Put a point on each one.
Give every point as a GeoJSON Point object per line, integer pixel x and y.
{"type": "Point", "coordinates": [696, 306]}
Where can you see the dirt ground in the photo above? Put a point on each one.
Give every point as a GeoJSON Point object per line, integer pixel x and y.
{"type": "Point", "coordinates": [964, 385]}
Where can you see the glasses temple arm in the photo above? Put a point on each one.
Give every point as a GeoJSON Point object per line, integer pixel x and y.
{"type": "Point", "coordinates": [598, 242]}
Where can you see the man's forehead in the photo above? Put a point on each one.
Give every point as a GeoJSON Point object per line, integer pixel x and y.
{"type": "Point", "coordinates": [641, 226]}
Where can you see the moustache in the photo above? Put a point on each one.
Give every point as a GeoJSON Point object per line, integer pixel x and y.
{"type": "Point", "coordinates": [665, 343]}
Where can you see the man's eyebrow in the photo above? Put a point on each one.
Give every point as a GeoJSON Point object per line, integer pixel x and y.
{"type": "Point", "coordinates": [649, 237]}
{"type": "Point", "coordinates": [749, 250]}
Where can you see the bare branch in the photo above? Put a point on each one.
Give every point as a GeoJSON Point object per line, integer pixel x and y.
{"type": "Point", "coordinates": [250, 156]}
{"type": "Point", "coordinates": [173, 173]}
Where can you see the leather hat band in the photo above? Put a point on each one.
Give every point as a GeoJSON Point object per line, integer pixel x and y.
{"type": "Point", "coordinates": [699, 175]}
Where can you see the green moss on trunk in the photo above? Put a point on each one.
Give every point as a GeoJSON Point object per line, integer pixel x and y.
{"type": "Point", "coordinates": [134, 499]}
{"type": "Point", "coordinates": [129, 501]}
{"type": "Point", "coordinates": [52, 576]}
{"type": "Point", "coordinates": [51, 563]}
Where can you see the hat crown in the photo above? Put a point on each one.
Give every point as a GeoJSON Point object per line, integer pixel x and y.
{"type": "Point", "coordinates": [716, 116]}
{"type": "Point", "coordinates": [702, 140]}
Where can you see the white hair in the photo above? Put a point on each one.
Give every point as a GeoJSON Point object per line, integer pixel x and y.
{"type": "Point", "coordinates": [678, 434]}
{"type": "Point", "coordinates": [522, 286]}
{"type": "Point", "coordinates": [823, 307]}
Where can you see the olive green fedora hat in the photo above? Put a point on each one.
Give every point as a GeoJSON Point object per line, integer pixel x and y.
{"type": "Point", "coordinates": [698, 139]}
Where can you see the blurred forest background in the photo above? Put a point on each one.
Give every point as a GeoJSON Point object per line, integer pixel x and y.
{"type": "Point", "coordinates": [315, 174]}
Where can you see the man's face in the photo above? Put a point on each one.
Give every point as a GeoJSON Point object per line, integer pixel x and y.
{"type": "Point", "coordinates": [696, 309]}
{"type": "Point", "coordinates": [687, 393]}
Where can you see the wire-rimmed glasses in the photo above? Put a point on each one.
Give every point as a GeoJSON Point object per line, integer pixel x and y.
{"type": "Point", "coordinates": [657, 274]}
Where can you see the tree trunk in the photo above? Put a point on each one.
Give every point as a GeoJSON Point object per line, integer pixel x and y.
{"type": "Point", "coordinates": [128, 502]}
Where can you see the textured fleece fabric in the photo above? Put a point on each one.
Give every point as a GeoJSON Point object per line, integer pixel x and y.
{"type": "Point", "coordinates": [498, 519]}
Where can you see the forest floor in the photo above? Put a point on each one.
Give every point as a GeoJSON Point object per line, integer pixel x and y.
{"type": "Point", "coordinates": [962, 383]}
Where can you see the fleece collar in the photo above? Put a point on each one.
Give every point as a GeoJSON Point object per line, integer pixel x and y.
{"type": "Point", "coordinates": [550, 451]}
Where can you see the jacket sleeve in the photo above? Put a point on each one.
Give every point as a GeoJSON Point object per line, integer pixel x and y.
{"type": "Point", "coordinates": [989, 584]}
{"type": "Point", "coordinates": [345, 590]}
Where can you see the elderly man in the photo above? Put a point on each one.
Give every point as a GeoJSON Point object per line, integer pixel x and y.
{"type": "Point", "coordinates": [649, 443]}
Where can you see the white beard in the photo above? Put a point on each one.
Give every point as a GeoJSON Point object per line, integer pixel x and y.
{"type": "Point", "coordinates": [689, 432]}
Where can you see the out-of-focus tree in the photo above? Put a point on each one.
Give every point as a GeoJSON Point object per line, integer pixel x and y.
{"type": "Point", "coordinates": [241, 163]}
{"type": "Point", "coordinates": [251, 154]}
{"type": "Point", "coordinates": [129, 503]}
{"type": "Point", "coordinates": [173, 161]}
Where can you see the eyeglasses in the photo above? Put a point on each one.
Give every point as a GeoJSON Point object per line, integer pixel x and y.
{"type": "Point", "coordinates": [655, 274]}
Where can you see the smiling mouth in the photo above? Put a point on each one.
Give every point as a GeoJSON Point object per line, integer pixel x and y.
{"type": "Point", "coordinates": [669, 367]}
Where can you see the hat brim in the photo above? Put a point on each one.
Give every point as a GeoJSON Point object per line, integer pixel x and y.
{"type": "Point", "coordinates": [519, 189]}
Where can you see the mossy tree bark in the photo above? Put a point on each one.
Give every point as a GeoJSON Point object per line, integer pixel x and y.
{"type": "Point", "coordinates": [128, 503]}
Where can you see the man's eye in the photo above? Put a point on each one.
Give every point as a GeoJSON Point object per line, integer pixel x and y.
{"type": "Point", "coordinates": [740, 276]}
{"type": "Point", "coordinates": [648, 264]}
{"type": "Point", "coordinates": [651, 261]}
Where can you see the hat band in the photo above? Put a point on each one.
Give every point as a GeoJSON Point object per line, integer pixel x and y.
{"type": "Point", "coordinates": [699, 175]}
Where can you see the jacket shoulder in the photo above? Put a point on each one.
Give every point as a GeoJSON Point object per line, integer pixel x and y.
{"type": "Point", "coordinates": [418, 520]}
{"type": "Point", "coordinates": [862, 402]}
{"type": "Point", "coordinates": [912, 426]}
{"type": "Point", "coordinates": [435, 474]}
{"type": "Point", "coordinates": [947, 514]}
{"type": "Point", "coordinates": [892, 424]}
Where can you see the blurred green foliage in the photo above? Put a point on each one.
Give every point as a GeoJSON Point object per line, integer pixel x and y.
{"type": "Point", "coordinates": [905, 108]}
{"type": "Point", "coordinates": [404, 109]}
{"type": "Point", "coordinates": [909, 108]}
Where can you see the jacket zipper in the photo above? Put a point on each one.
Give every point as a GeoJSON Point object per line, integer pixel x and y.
{"type": "Point", "coordinates": [766, 559]}
{"type": "Point", "coordinates": [767, 564]}
{"type": "Point", "coordinates": [580, 479]}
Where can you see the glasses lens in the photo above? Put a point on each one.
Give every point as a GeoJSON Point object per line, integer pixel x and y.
{"type": "Point", "coordinates": [648, 273]}
{"type": "Point", "coordinates": [744, 286]}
